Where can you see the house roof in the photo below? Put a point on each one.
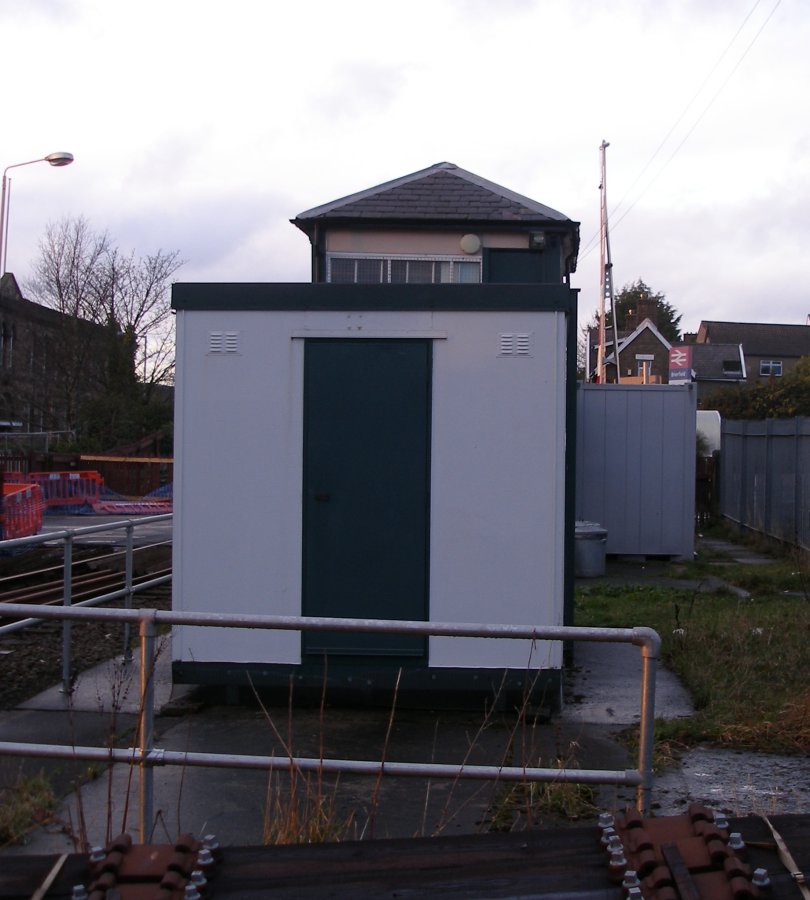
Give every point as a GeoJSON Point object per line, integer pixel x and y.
{"type": "Point", "coordinates": [646, 325]}
{"type": "Point", "coordinates": [12, 300]}
{"type": "Point", "coordinates": [442, 192]}
{"type": "Point", "coordinates": [759, 339]}
{"type": "Point", "coordinates": [710, 362]}
{"type": "Point", "coordinates": [626, 338]}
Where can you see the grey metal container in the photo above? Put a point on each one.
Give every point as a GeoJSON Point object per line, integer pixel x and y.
{"type": "Point", "coordinates": [590, 541]}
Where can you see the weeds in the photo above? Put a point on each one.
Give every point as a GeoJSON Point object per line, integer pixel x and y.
{"type": "Point", "coordinates": [743, 660]}
{"type": "Point", "coordinates": [523, 804]}
{"type": "Point", "coordinates": [29, 802]}
{"type": "Point", "coordinates": [303, 807]}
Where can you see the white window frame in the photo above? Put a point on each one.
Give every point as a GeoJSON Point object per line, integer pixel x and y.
{"type": "Point", "coordinates": [388, 258]}
{"type": "Point", "coordinates": [770, 367]}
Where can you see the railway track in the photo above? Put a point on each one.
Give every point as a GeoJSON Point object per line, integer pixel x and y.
{"type": "Point", "coordinates": [31, 659]}
{"type": "Point", "coordinates": [98, 571]}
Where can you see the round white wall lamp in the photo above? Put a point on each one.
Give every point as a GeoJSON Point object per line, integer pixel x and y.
{"type": "Point", "coordinates": [470, 243]}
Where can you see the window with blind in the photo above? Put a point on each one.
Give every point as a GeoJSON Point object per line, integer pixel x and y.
{"type": "Point", "coordinates": [403, 270]}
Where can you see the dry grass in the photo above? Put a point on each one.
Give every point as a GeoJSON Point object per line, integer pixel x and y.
{"type": "Point", "coordinates": [305, 807]}
{"type": "Point", "coordinates": [301, 807]}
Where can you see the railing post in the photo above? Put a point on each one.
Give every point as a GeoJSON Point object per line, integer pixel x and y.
{"type": "Point", "coordinates": [649, 660]}
{"type": "Point", "coordinates": [147, 725]}
{"type": "Point", "coordinates": [128, 568]}
{"type": "Point", "coordinates": [3, 504]}
{"type": "Point", "coordinates": [67, 600]}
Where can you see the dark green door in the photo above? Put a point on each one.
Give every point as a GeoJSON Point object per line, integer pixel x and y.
{"type": "Point", "coordinates": [366, 491]}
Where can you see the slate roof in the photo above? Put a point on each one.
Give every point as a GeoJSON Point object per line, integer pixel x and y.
{"type": "Point", "coordinates": [776, 341]}
{"type": "Point", "coordinates": [626, 338]}
{"type": "Point", "coordinates": [646, 325]}
{"type": "Point", "coordinates": [443, 192]}
{"type": "Point", "coordinates": [708, 361]}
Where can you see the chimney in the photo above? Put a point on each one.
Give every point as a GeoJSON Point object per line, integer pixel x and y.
{"type": "Point", "coordinates": [647, 309]}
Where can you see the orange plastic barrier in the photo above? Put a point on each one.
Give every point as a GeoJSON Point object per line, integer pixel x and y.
{"type": "Point", "coordinates": [22, 510]}
{"type": "Point", "coordinates": [68, 488]}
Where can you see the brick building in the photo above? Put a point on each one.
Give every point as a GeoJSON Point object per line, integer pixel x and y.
{"type": "Point", "coordinates": [49, 363]}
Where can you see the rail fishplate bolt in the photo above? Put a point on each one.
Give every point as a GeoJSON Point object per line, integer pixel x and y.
{"type": "Point", "coordinates": [735, 842]}
{"type": "Point", "coordinates": [606, 820]}
{"type": "Point", "coordinates": [760, 878]}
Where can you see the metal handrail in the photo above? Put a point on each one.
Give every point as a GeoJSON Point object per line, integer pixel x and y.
{"type": "Point", "coordinates": [147, 756]}
{"type": "Point", "coordinates": [51, 536]}
{"type": "Point", "coordinates": [68, 536]}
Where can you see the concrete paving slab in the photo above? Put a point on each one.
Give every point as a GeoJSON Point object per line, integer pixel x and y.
{"type": "Point", "coordinates": [114, 686]}
{"type": "Point", "coordinates": [737, 553]}
{"type": "Point", "coordinates": [604, 687]}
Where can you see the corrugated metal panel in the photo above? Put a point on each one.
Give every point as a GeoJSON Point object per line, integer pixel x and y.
{"type": "Point", "coordinates": [636, 466]}
{"type": "Point", "coordinates": [765, 480]}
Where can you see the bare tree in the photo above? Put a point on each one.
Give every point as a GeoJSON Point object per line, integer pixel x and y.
{"type": "Point", "coordinates": [69, 272]}
{"type": "Point", "coordinates": [135, 300]}
{"type": "Point", "coordinates": [118, 334]}
{"type": "Point", "coordinates": [81, 273]}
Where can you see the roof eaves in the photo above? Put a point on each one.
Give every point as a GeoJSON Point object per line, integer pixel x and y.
{"type": "Point", "coordinates": [646, 325]}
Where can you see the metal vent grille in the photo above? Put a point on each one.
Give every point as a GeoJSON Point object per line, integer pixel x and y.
{"type": "Point", "coordinates": [513, 344]}
{"type": "Point", "coordinates": [223, 342]}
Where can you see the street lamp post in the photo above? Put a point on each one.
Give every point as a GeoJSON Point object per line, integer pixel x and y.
{"type": "Point", "coordinates": [53, 159]}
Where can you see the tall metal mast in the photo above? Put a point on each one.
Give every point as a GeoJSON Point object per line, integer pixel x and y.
{"type": "Point", "coordinates": [605, 277]}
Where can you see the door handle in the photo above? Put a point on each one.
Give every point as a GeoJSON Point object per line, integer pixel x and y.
{"type": "Point", "coordinates": [323, 497]}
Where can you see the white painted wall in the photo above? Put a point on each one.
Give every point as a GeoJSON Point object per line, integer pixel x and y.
{"type": "Point", "coordinates": [497, 482]}
{"type": "Point", "coordinates": [421, 242]}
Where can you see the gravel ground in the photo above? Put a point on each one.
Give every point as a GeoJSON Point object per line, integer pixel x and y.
{"type": "Point", "coordinates": [31, 660]}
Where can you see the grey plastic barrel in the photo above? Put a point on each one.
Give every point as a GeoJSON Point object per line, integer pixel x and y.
{"type": "Point", "coordinates": [590, 540]}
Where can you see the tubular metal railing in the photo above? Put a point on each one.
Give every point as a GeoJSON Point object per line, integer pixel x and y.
{"type": "Point", "coordinates": [68, 538]}
{"type": "Point", "coordinates": [146, 756]}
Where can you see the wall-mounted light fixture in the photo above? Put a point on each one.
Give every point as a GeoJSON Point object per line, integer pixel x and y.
{"type": "Point", "coordinates": [470, 243]}
{"type": "Point", "coordinates": [537, 240]}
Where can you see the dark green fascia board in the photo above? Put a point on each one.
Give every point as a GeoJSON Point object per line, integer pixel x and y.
{"type": "Point", "coordinates": [367, 297]}
{"type": "Point", "coordinates": [431, 223]}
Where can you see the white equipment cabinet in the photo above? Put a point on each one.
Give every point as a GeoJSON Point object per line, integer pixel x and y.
{"type": "Point", "coordinates": [392, 452]}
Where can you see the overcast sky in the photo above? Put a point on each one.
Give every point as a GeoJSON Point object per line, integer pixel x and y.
{"type": "Point", "coordinates": [203, 127]}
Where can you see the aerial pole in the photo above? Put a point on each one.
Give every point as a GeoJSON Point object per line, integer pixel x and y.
{"type": "Point", "coordinates": [605, 277]}
{"type": "Point", "coordinates": [600, 345]}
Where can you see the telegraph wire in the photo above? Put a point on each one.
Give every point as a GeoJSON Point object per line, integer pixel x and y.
{"type": "Point", "coordinates": [686, 109]}
{"type": "Point", "coordinates": [702, 114]}
{"type": "Point", "coordinates": [593, 240]}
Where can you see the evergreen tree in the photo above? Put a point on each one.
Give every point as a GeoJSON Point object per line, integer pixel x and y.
{"type": "Point", "coordinates": [667, 319]}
